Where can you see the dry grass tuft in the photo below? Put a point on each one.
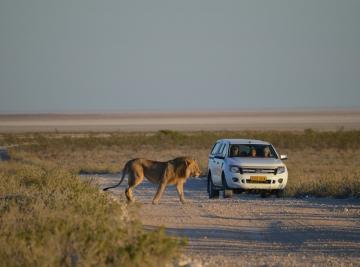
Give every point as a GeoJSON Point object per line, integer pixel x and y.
{"type": "Point", "coordinates": [45, 209]}
{"type": "Point", "coordinates": [49, 217]}
{"type": "Point", "coordinates": [326, 172]}
{"type": "Point", "coordinates": [320, 163]}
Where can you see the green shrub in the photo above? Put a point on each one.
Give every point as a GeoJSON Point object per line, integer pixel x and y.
{"type": "Point", "coordinates": [49, 217]}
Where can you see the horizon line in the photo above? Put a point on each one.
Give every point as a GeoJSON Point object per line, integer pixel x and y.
{"type": "Point", "coordinates": [195, 111]}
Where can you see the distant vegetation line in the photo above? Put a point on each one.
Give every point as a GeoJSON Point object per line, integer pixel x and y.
{"type": "Point", "coordinates": [320, 163]}
{"type": "Point", "coordinates": [202, 139]}
{"type": "Point", "coordinates": [50, 217]}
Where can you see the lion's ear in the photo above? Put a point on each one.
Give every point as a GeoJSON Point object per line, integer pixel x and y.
{"type": "Point", "coordinates": [188, 162]}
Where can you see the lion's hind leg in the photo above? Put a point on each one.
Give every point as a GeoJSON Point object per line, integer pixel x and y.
{"type": "Point", "coordinates": [129, 194]}
{"type": "Point", "coordinates": [134, 180]}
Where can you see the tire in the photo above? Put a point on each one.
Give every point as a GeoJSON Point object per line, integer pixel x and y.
{"type": "Point", "coordinates": [280, 193]}
{"type": "Point", "coordinates": [213, 193]}
{"type": "Point", "coordinates": [228, 193]}
{"type": "Point", "coordinates": [208, 182]}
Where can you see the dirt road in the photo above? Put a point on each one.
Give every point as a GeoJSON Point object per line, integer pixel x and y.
{"type": "Point", "coordinates": [250, 231]}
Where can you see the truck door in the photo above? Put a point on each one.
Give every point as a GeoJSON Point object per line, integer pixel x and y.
{"type": "Point", "coordinates": [218, 164]}
{"type": "Point", "coordinates": [212, 162]}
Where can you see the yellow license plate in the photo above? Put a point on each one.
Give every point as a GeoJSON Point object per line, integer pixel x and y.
{"type": "Point", "coordinates": [258, 178]}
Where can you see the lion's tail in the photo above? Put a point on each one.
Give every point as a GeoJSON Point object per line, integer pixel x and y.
{"type": "Point", "coordinates": [124, 172]}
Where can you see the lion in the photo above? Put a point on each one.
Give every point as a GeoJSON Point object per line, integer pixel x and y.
{"type": "Point", "coordinates": [174, 171]}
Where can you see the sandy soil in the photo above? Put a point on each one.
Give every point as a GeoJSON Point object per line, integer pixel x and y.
{"type": "Point", "coordinates": [250, 231]}
{"type": "Point", "coordinates": [191, 121]}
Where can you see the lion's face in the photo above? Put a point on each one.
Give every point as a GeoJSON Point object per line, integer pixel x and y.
{"type": "Point", "coordinates": [194, 168]}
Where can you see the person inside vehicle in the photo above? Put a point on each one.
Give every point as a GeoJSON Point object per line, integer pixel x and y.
{"type": "Point", "coordinates": [267, 152]}
{"type": "Point", "coordinates": [234, 151]}
{"type": "Point", "coordinates": [253, 152]}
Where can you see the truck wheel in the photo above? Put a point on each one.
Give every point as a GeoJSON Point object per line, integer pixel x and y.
{"type": "Point", "coordinates": [228, 193]}
{"type": "Point", "coordinates": [280, 193]}
{"type": "Point", "coordinates": [208, 182]}
{"type": "Point", "coordinates": [213, 193]}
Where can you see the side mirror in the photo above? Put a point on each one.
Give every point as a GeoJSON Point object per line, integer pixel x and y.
{"type": "Point", "coordinates": [219, 156]}
{"type": "Point", "coordinates": [283, 157]}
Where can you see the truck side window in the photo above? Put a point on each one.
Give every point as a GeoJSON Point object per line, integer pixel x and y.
{"type": "Point", "coordinates": [224, 150]}
{"type": "Point", "coordinates": [215, 148]}
{"type": "Point", "coordinates": [221, 149]}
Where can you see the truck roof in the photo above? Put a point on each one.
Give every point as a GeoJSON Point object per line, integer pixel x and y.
{"type": "Point", "coordinates": [244, 141]}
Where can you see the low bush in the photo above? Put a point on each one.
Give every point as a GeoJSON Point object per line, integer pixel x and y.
{"type": "Point", "coordinates": [49, 217]}
{"type": "Point", "coordinates": [166, 139]}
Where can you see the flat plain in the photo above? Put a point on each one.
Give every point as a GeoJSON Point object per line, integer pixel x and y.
{"type": "Point", "coordinates": [183, 121]}
{"type": "Point", "coordinates": [317, 223]}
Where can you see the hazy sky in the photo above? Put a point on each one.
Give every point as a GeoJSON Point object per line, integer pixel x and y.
{"type": "Point", "coordinates": [87, 55]}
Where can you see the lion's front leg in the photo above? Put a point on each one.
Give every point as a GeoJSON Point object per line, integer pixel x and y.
{"type": "Point", "coordinates": [159, 193]}
{"type": "Point", "coordinates": [180, 189]}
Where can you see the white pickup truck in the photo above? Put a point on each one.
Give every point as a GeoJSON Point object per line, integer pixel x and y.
{"type": "Point", "coordinates": [238, 165]}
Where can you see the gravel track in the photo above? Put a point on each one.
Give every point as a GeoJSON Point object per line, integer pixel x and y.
{"type": "Point", "coordinates": [250, 231]}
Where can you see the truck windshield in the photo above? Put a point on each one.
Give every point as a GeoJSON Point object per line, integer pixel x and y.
{"type": "Point", "coordinates": [252, 150]}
